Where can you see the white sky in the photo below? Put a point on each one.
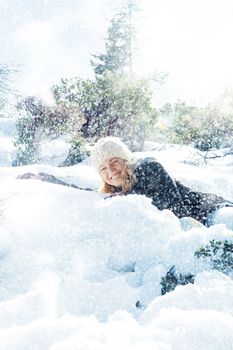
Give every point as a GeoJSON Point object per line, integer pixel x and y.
{"type": "Point", "coordinates": [189, 39]}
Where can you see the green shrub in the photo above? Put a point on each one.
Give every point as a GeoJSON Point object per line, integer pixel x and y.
{"type": "Point", "coordinates": [205, 128]}
{"type": "Point", "coordinates": [173, 279]}
{"type": "Point", "coordinates": [26, 147]}
{"type": "Point", "coordinates": [219, 254]}
{"type": "Point", "coordinates": [77, 152]}
{"type": "Point", "coordinates": [38, 122]}
{"type": "Point", "coordinates": [112, 104]}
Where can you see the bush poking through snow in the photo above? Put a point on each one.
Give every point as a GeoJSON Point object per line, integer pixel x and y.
{"type": "Point", "coordinates": [173, 279]}
{"type": "Point", "coordinates": [219, 254]}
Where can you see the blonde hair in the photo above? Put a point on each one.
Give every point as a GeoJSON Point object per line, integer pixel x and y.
{"type": "Point", "coordinates": [127, 182]}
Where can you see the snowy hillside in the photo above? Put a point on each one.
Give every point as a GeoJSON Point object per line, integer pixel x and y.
{"type": "Point", "coordinates": [78, 271]}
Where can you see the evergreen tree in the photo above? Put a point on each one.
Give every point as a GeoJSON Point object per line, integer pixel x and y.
{"type": "Point", "coordinates": [113, 103]}
{"type": "Point", "coordinates": [119, 43]}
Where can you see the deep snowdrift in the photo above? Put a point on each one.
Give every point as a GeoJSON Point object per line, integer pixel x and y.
{"type": "Point", "coordinates": [73, 265]}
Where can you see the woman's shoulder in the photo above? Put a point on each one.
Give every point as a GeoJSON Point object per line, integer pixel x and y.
{"type": "Point", "coordinates": [147, 167]}
{"type": "Point", "coordinates": [145, 163]}
{"type": "Point", "coordinates": [137, 162]}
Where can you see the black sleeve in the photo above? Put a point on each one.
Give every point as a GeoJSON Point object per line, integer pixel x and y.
{"type": "Point", "coordinates": [156, 183]}
{"type": "Point", "coordinates": [53, 179]}
{"type": "Point", "coordinates": [153, 181]}
{"type": "Point", "coordinates": [198, 204]}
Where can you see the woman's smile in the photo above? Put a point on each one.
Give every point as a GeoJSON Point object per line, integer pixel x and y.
{"type": "Point", "coordinates": [112, 171]}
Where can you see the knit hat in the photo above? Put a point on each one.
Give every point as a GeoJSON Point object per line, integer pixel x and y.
{"type": "Point", "coordinates": [109, 147]}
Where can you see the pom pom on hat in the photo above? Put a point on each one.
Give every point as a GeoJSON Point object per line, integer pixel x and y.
{"type": "Point", "coordinates": [109, 147]}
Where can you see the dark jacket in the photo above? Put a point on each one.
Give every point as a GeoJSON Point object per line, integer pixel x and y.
{"type": "Point", "coordinates": [153, 181]}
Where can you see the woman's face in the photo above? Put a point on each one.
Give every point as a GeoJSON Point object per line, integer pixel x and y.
{"type": "Point", "coordinates": [113, 171]}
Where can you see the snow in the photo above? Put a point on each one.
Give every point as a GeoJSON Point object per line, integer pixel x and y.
{"type": "Point", "coordinates": [73, 265]}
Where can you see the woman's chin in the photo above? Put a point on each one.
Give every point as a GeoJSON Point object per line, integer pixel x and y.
{"type": "Point", "coordinates": [116, 183]}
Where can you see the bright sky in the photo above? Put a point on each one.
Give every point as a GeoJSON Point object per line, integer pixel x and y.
{"type": "Point", "coordinates": [190, 40]}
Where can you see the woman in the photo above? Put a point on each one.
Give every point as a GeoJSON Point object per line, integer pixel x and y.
{"type": "Point", "coordinates": [122, 174]}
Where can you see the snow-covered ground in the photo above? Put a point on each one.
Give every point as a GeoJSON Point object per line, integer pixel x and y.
{"type": "Point", "coordinates": [73, 265]}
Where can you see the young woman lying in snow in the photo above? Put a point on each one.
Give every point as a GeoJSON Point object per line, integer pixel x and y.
{"type": "Point", "coordinates": [122, 174]}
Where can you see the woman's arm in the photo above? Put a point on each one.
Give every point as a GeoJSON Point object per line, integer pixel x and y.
{"type": "Point", "coordinates": [49, 178]}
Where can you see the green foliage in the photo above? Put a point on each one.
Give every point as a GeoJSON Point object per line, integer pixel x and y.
{"type": "Point", "coordinates": [219, 254]}
{"type": "Point", "coordinates": [173, 279]}
{"type": "Point", "coordinates": [24, 143]}
{"type": "Point", "coordinates": [77, 152]}
{"type": "Point", "coordinates": [118, 44]}
{"type": "Point", "coordinates": [112, 104]}
{"type": "Point", "coordinates": [205, 128]}
{"type": "Point", "coordinates": [37, 122]}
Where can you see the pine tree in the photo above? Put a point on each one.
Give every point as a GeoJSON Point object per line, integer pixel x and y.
{"type": "Point", "coordinates": [119, 43]}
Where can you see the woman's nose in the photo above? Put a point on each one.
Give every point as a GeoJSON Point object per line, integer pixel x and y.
{"type": "Point", "coordinates": [111, 169]}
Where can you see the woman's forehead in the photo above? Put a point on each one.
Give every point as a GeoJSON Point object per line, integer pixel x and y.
{"type": "Point", "coordinates": [109, 160]}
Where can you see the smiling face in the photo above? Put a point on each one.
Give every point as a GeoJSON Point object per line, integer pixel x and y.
{"type": "Point", "coordinates": [113, 171]}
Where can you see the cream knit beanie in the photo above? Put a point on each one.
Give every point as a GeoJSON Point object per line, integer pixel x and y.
{"type": "Point", "coordinates": [109, 147]}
